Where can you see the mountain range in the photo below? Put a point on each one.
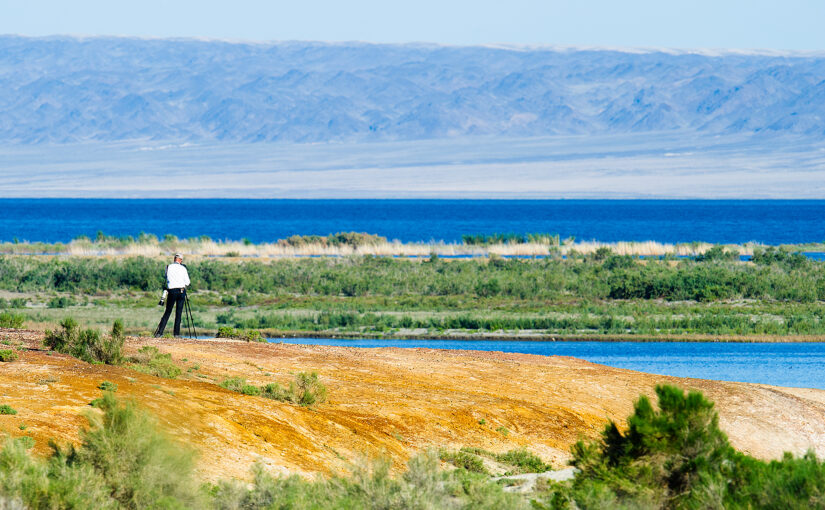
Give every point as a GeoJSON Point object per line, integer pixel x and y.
{"type": "Point", "coordinates": [104, 89]}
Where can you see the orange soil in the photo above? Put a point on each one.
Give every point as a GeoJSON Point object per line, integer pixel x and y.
{"type": "Point", "coordinates": [390, 401]}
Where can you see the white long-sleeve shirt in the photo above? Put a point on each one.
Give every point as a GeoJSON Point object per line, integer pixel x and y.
{"type": "Point", "coordinates": [177, 277]}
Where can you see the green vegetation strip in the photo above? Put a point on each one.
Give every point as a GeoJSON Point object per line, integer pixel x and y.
{"type": "Point", "coordinates": [779, 294]}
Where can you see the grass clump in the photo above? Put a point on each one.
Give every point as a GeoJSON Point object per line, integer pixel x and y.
{"type": "Point", "coordinates": [306, 390]}
{"type": "Point", "coordinates": [87, 344]}
{"type": "Point", "coordinates": [11, 320]}
{"type": "Point", "coordinates": [7, 355]}
{"type": "Point", "coordinates": [7, 409]}
{"type": "Point", "coordinates": [149, 360]}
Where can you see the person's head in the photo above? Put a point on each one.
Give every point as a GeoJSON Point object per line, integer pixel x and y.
{"type": "Point", "coordinates": [178, 258]}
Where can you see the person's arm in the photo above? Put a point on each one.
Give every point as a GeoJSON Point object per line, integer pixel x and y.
{"type": "Point", "coordinates": [186, 276]}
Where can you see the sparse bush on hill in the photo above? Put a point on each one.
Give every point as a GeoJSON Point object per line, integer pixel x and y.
{"type": "Point", "coordinates": [306, 390]}
{"type": "Point", "coordinates": [107, 386]}
{"type": "Point", "coordinates": [150, 360]}
{"type": "Point", "coordinates": [250, 335]}
{"type": "Point", "coordinates": [87, 344]}
{"type": "Point", "coordinates": [7, 409]}
{"type": "Point", "coordinates": [7, 355]}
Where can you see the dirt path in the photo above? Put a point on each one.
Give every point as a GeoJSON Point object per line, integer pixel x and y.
{"type": "Point", "coordinates": [391, 401]}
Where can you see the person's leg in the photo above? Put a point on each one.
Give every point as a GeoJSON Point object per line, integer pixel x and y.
{"type": "Point", "coordinates": [162, 325]}
{"type": "Point", "coordinates": [180, 300]}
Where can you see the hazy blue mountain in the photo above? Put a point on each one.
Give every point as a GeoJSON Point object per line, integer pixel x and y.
{"type": "Point", "coordinates": [64, 89]}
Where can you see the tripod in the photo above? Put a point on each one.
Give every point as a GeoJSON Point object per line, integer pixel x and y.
{"type": "Point", "coordinates": [190, 322]}
{"type": "Point", "coordinates": [187, 313]}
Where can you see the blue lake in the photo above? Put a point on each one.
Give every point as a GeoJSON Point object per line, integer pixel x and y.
{"type": "Point", "coordinates": [799, 365]}
{"type": "Point", "coordinates": [717, 221]}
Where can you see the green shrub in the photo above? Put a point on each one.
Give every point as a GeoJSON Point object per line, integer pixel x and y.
{"type": "Point", "coordinates": [7, 409]}
{"type": "Point", "coordinates": [233, 384]}
{"type": "Point", "coordinates": [31, 482]}
{"type": "Point", "coordinates": [250, 335]}
{"type": "Point", "coordinates": [11, 320]}
{"type": "Point", "coordinates": [503, 431]}
{"type": "Point", "coordinates": [149, 360]}
{"type": "Point", "coordinates": [274, 391]}
{"type": "Point", "coordinates": [87, 344]}
{"type": "Point", "coordinates": [227, 332]}
{"type": "Point", "coordinates": [464, 460]}
{"type": "Point", "coordinates": [307, 389]}
{"type": "Point", "coordinates": [107, 386]}
{"type": "Point", "coordinates": [7, 355]}
{"type": "Point", "coordinates": [141, 467]}
{"type": "Point", "coordinates": [60, 302]}
{"type": "Point", "coordinates": [248, 389]}
{"type": "Point", "coordinates": [239, 385]}
{"type": "Point", "coordinates": [677, 457]}
{"type": "Point", "coordinates": [524, 461]}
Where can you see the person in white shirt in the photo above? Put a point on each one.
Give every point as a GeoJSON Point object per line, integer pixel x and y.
{"type": "Point", "coordinates": [177, 279]}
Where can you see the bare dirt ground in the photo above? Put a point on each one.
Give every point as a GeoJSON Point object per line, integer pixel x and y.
{"type": "Point", "coordinates": [393, 402]}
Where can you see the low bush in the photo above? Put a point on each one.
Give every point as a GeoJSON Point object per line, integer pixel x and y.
{"type": "Point", "coordinates": [521, 460]}
{"type": "Point", "coordinates": [238, 384]}
{"type": "Point", "coordinates": [7, 409]}
{"type": "Point", "coordinates": [60, 302]}
{"type": "Point", "coordinates": [11, 320]}
{"type": "Point", "coordinates": [107, 386]}
{"type": "Point", "coordinates": [464, 460]}
{"type": "Point", "coordinates": [7, 355]}
{"type": "Point", "coordinates": [306, 390]}
{"type": "Point", "coordinates": [87, 344]}
{"type": "Point", "coordinates": [233, 384]}
{"type": "Point", "coordinates": [524, 461]}
{"type": "Point", "coordinates": [274, 391]}
{"type": "Point", "coordinates": [149, 360]}
{"type": "Point", "coordinates": [250, 335]}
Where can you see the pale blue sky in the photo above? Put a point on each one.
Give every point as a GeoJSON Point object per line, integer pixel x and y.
{"type": "Point", "coordinates": [765, 24]}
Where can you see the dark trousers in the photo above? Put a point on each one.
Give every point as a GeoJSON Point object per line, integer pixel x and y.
{"type": "Point", "coordinates": [176, 298]}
